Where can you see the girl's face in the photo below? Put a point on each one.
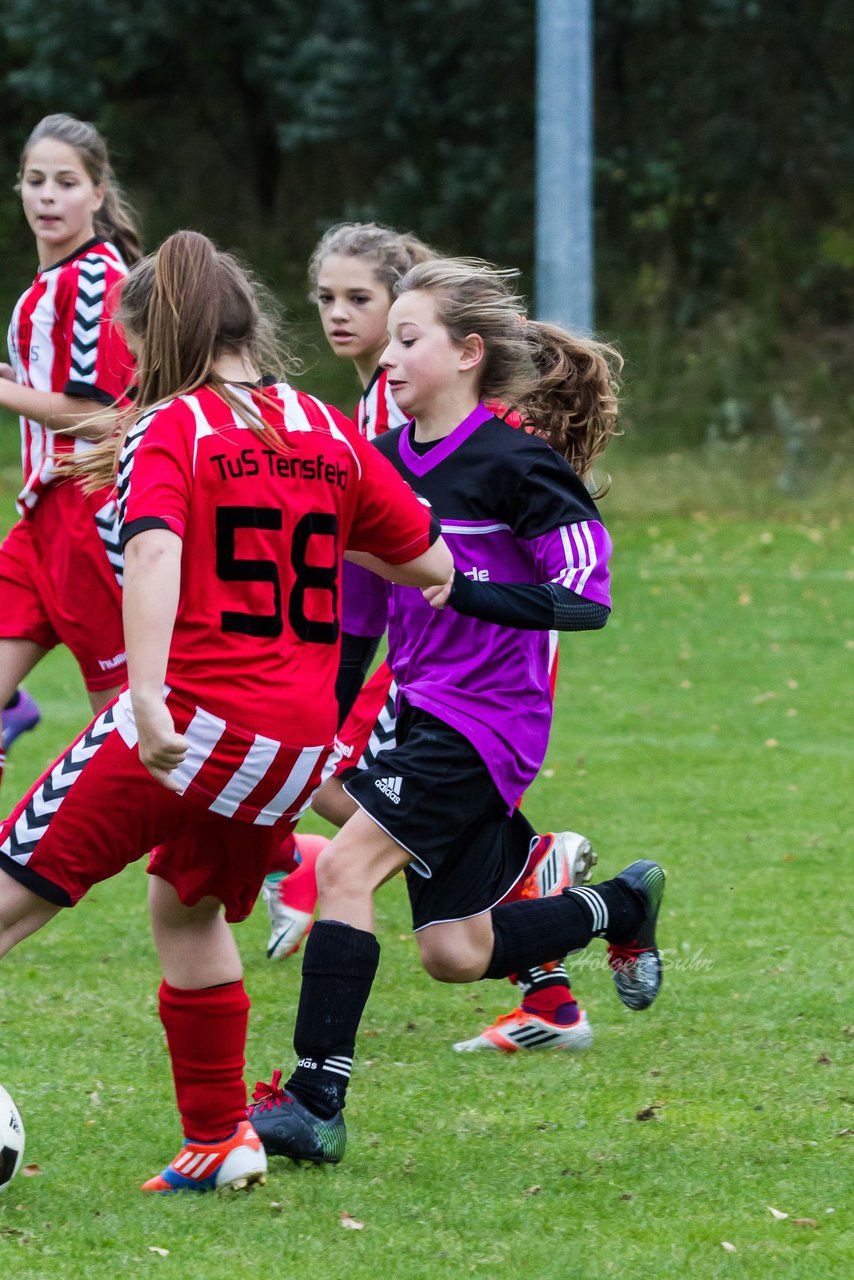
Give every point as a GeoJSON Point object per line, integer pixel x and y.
{"type": "Point", "coordinates": [422, 360]}
{"type": "Point", "coordinates": [60, 199]}
{"type": "Point", "coordinates": [353, 306]}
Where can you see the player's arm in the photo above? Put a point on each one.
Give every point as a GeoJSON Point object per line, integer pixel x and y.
{"type": "Point", "coordinates": [154, 484]}
{"type": "Point", "coordinates": [546, 606]}
{"type": "Point", "coordinates": [152, 578]}
{"type": "Point", "coordinates": [85, 406]}
{"type": "Point", "coordinates": [433, 568]}
{"type": "Point", "coordinates": [54, 409]}
{"type": "Point", "coordinates": [568, 547]}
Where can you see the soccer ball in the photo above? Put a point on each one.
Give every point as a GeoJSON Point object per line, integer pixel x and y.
{"type": "Point", "coordinates": [11, 1139]}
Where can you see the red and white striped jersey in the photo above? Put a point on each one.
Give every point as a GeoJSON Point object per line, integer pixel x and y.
{"type": "Point", "coordinates": [230, 770]}
{"type": "Point", "coordinates": [376, 411]}
{"type": "Point", "coordinates": [256, 639]}
{"type": "Point", "coordinates": [61, 338]}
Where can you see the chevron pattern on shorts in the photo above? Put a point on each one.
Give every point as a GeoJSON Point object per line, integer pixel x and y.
{"type": "Point", "coordinates": [88, 310]}
{"type": "Point", "coordinates": [382, 734]}
{"type": "Point", "coordinates": [44, 802]}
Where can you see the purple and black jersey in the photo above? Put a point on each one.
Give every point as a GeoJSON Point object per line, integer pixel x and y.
{"type": "Point", "coordinates": [512, 510]}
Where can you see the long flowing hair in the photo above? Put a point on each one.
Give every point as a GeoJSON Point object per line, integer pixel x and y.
{"type": "Point", "coordinates": [563, 386]}
{"type": "Point", "coordinates": [182, 308]}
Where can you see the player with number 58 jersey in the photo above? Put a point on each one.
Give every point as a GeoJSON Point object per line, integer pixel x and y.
{"type": "Point", "coordinates": [237, 503]}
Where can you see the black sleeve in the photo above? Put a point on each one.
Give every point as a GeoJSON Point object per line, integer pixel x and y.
{"type": "Point", "coordinates": [536, 607]}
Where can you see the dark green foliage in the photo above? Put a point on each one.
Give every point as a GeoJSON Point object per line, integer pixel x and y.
{"type": "Point", "coordinates": [725, 182]}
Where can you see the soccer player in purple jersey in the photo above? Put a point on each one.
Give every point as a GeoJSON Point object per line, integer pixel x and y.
{"type": "Point", "coordinates": [471, 661]}
{"type": "Point", "coordinates": [352, 272]}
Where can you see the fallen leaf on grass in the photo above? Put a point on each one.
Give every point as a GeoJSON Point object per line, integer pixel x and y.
{"type": "Point", "coordinates": [627, 1195]}
{"type": "Point", "coordinates": [161, 1253]}
{"type": "Point", "coordinates": [351, 1224]}
{"type": "Point", "coordinates": [31, 1170]}
{"type": "Point", "coordinates": [276, 1206]}
{"type": "Point", "coordinates": [776, 1213]}
{"type": "Point", "coordinates": [730, 1248]}
{"type": "Point", "coordinates": [823, 1061]}
{"type": "Point", "coordinates": [804, 1222]}
{"type": "Point", "coordinates": [534, 1190]}
{"type": "Point", "coordinates": [648, 1113]}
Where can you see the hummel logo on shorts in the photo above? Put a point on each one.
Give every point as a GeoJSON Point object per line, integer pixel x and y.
{"type": "Point", "coordinates": [389, 787]}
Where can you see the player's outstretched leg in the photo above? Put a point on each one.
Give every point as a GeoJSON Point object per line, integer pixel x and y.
{"type": "Point", "coordinates": [549, 1016]}
{"type": "Point", "coordinates": [623, 911]}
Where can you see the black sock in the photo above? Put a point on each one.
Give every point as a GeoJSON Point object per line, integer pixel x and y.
{"type": "Point", "coordinates": [532, 932]}
{"type": "Point", "coordinates": [338, 970]}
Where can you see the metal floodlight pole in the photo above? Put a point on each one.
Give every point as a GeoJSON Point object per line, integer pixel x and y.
{"type": "Point", "coordinates": [564, 191]}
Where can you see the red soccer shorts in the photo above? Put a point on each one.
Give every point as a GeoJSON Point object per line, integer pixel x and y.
{"type": "Point", "coordinates": [96, 809]}
{"type": "Point", "coordinates": [57, 584]}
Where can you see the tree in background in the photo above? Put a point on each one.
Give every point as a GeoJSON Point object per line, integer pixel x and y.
{"type": "Point", "coordinates": [724, 137]}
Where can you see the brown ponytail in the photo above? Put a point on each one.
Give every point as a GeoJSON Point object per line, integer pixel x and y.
{"type": "Point", "coordinates": [563, 386]}
{"type": "Point", "coordinates": [572, 399]}
{"type": "Point", "coordinates": [182, 308]}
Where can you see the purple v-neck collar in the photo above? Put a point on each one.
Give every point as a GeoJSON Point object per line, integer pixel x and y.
{"type": "Point", "coordinates": [420, 463]}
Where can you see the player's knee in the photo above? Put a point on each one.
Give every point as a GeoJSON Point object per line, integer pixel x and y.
{"type": "Point", "coordinates": [447, 963]}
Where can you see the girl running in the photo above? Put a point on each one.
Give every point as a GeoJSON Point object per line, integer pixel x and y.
{"type": "Point", "coordinates": [353, 272]}
{"type": "Point", "coordinates": [471, 660]}
{"type": "Point", "coordinates": [236, 499]}
{"type": "Point", "coordinates": [60, 566]}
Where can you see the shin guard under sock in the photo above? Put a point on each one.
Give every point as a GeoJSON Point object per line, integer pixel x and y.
{"type": "Point", "coordinates": [531, 933]}
{"type": "Point", "coordinates": [206, 1035]}
{"type": "Point", "coordinates": [338, 970]}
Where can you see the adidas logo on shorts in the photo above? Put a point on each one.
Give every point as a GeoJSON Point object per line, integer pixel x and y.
{"type": "Point", "coordinates": [389, 787]}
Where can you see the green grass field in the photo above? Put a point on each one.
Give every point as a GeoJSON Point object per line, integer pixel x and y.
{"type": "Point", "coordinates": [706, 726]}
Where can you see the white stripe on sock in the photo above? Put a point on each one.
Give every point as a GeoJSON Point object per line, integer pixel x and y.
{"type": "Point", "coordinates": [598, 910]}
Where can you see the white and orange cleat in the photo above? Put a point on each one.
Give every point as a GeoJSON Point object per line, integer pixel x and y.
{"type": "Point", "coordinates": [520, 1030]}
{"type": "Point", "coordinates": [291, 900]}
{"type": "Point", "coordinates": [234, 1164]}
{"type": "Point", "coordinates": [567, 861]}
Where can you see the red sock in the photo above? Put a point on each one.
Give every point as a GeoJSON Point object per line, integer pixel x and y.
{"type": "Point", "coordinates": [285, 857]}
{"type": "Point", "coordinates": [300, 889]}
{"type": "Point", "coordinates": [555, 1003]}
{"type": "Point", "coordinates": [206, 1034]}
